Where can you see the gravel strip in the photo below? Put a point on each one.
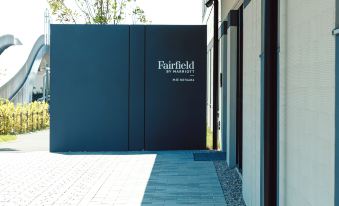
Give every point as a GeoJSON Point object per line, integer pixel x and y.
{"type": "Point", "coordinates": [230, 182]}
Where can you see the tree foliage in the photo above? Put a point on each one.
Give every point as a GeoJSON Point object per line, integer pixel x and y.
{"type": "Point", "coordinates": [96, 11]}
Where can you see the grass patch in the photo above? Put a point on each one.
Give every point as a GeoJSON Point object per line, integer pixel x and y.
{"type": "Point", "coordinates": [209, 139]}
{"type": "Point", "coordinates": [6, 138]}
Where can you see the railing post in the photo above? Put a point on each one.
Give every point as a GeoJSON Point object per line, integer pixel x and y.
{"type": "Point", "coordinates": [21, 126]}
{"type": "Point", "coordinates": [46, 26]}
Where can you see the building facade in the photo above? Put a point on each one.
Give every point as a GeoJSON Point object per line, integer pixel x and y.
{"type": "Point", "coordinates": [302, 168]}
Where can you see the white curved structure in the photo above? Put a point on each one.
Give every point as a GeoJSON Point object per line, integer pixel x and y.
{"type": "Point", "coordinates": [22, 64]}
{"type": "Point", "coordinates": [7, 41]}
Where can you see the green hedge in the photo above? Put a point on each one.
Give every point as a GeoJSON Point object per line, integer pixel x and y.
{"type": "Point", "coordinates": [16, 119]}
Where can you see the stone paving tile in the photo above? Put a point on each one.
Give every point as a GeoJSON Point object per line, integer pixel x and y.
{"type": "Point", "coordinates": [30, 142]}
{"type": "Point", "coordinates": [120, 178]}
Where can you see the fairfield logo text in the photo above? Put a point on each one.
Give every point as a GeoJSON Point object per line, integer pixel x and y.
{"type": "Point", "coordinates": [177, 65]}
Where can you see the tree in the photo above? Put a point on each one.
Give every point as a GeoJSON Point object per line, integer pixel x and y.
{"type": "Point", "coordinates": [96, 11]}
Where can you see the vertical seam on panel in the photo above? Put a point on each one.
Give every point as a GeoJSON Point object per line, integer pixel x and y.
{"type": "Point", "coordinates": [144, 87]}
{"type": "Point", "coordinates": [129, 86]}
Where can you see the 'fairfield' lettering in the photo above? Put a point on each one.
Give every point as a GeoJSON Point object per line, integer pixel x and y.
{"type": "Point", "coordinates": [175, 65]}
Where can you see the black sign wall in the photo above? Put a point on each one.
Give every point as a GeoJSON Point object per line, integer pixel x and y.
{"type": "Point", "coordinates": [128, 87]}
{"type": "Point", "coordinates": [175, 87]}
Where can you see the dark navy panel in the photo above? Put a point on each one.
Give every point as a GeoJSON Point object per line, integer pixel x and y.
{"type": "Point", "coordinates": [336, 157]}
{"type": "Point", "coordinates": [137, 83]}
{"type": "Point", "coordinates": [175, 105]}
{"type": "Point", "coordinates": [89, 86]}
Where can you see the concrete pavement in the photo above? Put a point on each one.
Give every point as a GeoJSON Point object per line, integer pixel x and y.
{"type": "Point", "coordinates": [35, 141]}
{"type": "Point", "coordinates": [121, 178]}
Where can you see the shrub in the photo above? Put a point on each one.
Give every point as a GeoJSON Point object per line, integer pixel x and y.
{"type": "Point", "coordinates": [15, 119]}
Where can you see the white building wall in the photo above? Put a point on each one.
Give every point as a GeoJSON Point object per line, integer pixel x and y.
{"type": "Point", "coordinates": [251, 102]}
{"type": "Point", "coordinates": [210, 91]}
{"type": "Point", "coordinates": [227, 5]}
{"type": "Point", "coordinates": [208, 20]}
{"type": "Point", "coordinates": [307, 72]}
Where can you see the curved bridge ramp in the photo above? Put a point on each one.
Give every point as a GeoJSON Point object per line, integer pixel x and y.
{"type": "Point", "coordinates": [25, 61]}
{"type": "Point", "coordinates": [7, 41]}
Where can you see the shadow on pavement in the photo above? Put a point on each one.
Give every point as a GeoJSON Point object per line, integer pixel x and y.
{"type": "Point", "coordinates": [176, 179]}
{"type": "Point", "coordinates": [8, 150]}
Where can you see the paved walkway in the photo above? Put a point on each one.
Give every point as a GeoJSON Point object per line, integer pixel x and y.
{"type": "Point", "coordinates": [163, 178]}
{"type": "Point", "coordinates": [35, 141]}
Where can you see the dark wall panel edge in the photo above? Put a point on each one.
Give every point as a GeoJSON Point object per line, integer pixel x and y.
{"type": "Point", "coordinates": [246, 2]}
{"type": "Point", "coordinates": [137, 92]}
{"type": "Point", "coordinates": [222, 29]}
{"type": "Point", "coordinates": [270, 102]}
{"type": "Point", "coordinates": [232, 18]}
